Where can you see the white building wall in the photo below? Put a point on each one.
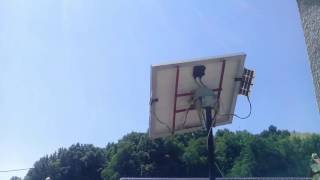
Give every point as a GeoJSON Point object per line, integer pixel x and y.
{"type": "Point", "coordinates": [310, 17]}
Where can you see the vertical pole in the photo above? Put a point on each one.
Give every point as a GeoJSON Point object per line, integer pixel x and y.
{"type": "Point", "coordinates": [210, 143]}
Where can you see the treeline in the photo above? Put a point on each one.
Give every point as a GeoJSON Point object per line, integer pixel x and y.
{"type": "Point", "coordinates": [273, 152]}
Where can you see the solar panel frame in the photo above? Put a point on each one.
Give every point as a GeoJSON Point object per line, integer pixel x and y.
{"type": "Point", "coordinates": [233, 62]}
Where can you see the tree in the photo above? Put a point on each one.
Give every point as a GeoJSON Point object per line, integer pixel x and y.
{"type": "Point", "coordinates": [272, 152]}
{"type": "Point", "coordinates": [81, 162]}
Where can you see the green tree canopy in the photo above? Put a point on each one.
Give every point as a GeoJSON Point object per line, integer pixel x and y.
{"type": "Point", "coordinates": [272, 152]}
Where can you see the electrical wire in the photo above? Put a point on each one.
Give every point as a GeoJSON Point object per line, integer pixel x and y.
{"type": "Point", "coordinates": [191, 105]}
{"type": "Point", "coordinates": [212, 123]}
{"type": "Point", "coordinates": [186, 115]}
{"type": "Point", "coordinates": [219, 169]}
{"type": "Point", "coordinates": [216, 112]}
{"type": "Point", "coordinates": [157, 118]}
{"type": "Point", "coordinates": [14, 170]}
{"type": "Point", "coordinates": [214, 118]}
{"type": "Point", "coordinates": [202, 118]}
{"type": "Point", "coordinates": [199, 107]}
{"type": "Point", "coordinates": [245, 117]}
{"type": "Point", "coordinates": [201, 82]}
{"type": "Point", "coordinates": [195, 80]}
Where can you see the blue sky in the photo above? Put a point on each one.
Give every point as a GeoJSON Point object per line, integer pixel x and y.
{"type": "Point", "coordinates": [79, 71]}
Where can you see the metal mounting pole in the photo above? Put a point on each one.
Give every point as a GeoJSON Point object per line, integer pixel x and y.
{"type": "Point", "coordinates": [210, 143]}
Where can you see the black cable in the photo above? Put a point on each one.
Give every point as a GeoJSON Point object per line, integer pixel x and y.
{"type": "Point", "coordinates": [214, 118]}
{"type": "Point", "coordinates": [245, 117]}
{"type": "Point", "coordinates": [186, 116]}
{"type": "Point", "coordinates": [155, 115]}
{"type": "Point", "coordinates": [195, 80]}
{"type": "Point", "coordinates": [201, 82]}
{"type": "Point", "coordinates": [161, 122]}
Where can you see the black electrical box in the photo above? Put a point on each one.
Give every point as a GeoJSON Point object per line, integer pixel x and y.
{"type": "Point", "coordinates": [198, 71]}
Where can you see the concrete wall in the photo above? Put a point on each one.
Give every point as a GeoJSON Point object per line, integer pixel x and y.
{"type": "Point", "coordinates": [310, 17]}
{"type": "Point", "coordinates": [219, 178]}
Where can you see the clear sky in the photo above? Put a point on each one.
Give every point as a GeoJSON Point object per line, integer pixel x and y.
{"type": "Point", "coordinates": [79, 71]}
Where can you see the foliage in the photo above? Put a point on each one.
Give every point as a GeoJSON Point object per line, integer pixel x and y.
{"type": "Point", "coordinates": [81, 162]}
{"type": "Point", "coordinates": [273, 152]}
{"type": "Point", "coordinates": [315, 166]}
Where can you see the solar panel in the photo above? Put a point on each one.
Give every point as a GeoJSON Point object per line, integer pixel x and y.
{"type": "Point", "coordinates": [175, 86]}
